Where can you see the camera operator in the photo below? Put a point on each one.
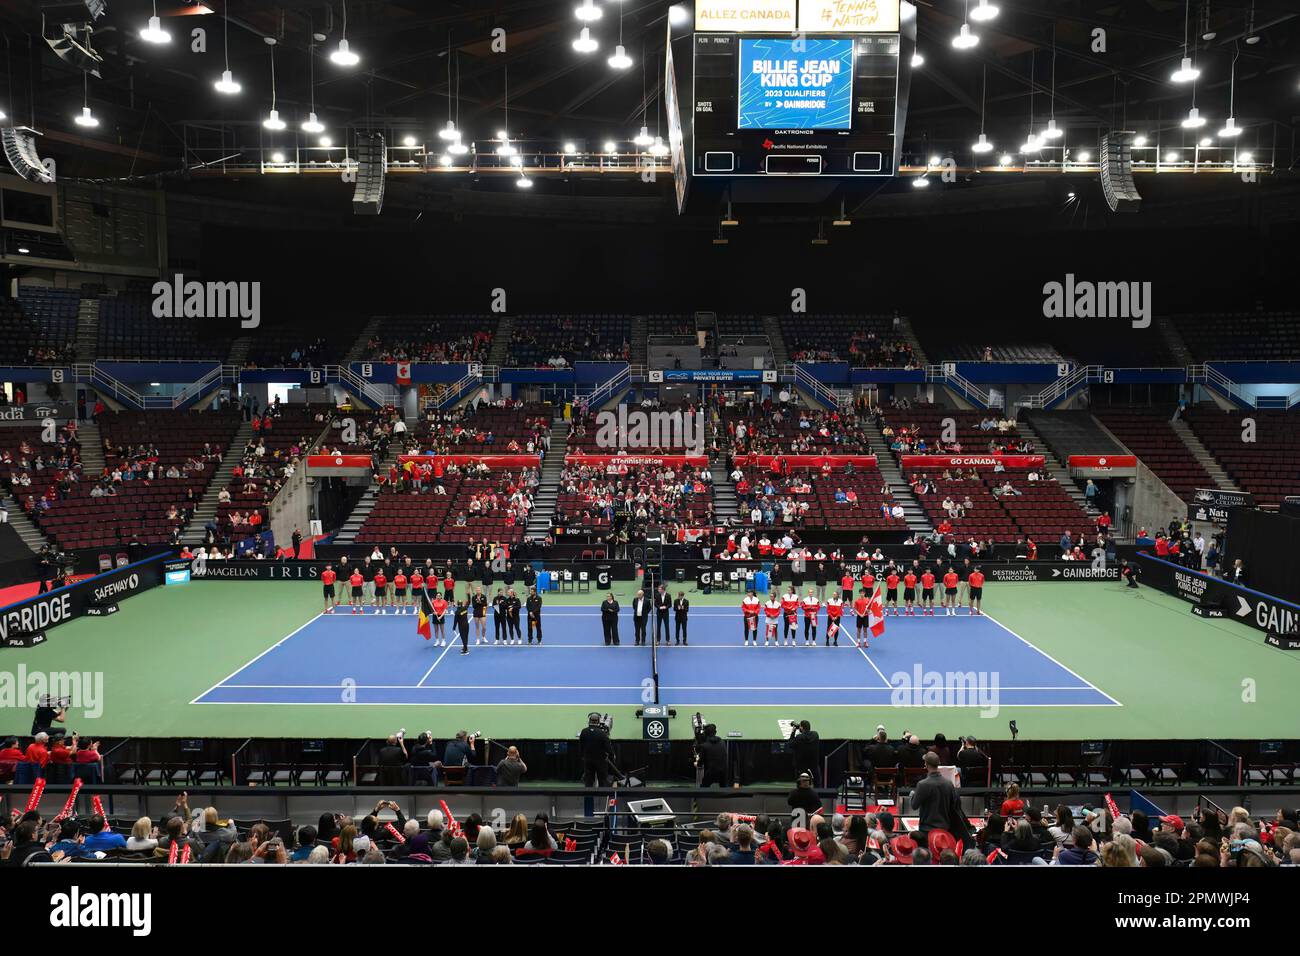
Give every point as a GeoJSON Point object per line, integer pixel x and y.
{"type": "Point", "coordinates": [460, 752]}
{"type": "Point", "coordinates": [49, 711]}
{"type": "Point", "coordinates": [597, 751]}
{"type": "Point", "coordinates": [711, 757]}
{"type": "Point", "coordinates": [392, 760]}
{"type": "Point", "coordinates": [805, 749]}
{"type": "Point", "coordinates": [973, 763]}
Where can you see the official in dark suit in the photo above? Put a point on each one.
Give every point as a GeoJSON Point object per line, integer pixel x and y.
{"type": "Point", "coordinates": [609, 620]}
{"type": "Point", "coordinates": [681, 608]}
{"type": "Point", "coordinates": [534, 615]}
{"type": "Point", "coordinates": [663, 604]}
{"type": "Point", "coordinates": [640, 616]}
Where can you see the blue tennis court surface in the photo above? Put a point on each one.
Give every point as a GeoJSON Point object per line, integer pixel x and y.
{"type": "Point", "coordinates": [341, 658]}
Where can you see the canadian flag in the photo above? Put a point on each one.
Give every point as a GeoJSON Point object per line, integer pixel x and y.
{"type": "Point", "coordinates": [403, 373]}
{"type": "Point", "coordinates": [876, 615]}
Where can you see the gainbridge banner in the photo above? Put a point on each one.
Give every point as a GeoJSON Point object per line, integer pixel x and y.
{"type": "Point", "coordinates": [809, 461]}
{"type": "Point", "coordinates": [637, 461]}
{"type": "Point", "coordinates": [492, 461]}
{"type": "Point", "coordinates": [972, 461]}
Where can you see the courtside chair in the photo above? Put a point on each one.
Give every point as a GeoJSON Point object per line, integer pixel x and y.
{"type": "Point", "coordinates": [566, 580]}
{"type": "Point", "coordinates": [584, 581]}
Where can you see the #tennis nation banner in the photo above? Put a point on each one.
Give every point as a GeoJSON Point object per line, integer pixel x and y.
{"type": "Point", "coordinates": [636, 461]}
{"type": "Point", "coordinates": [972, 461]}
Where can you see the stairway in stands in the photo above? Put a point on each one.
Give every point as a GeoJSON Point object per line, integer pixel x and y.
{"type": "Point", "coordinates": [501, 339]}
{"type": "Point", "coordinates": [640, 342]}
{"type": "Point", "coordinates": [1173, 340]}
{"type": "Point", "coordinates": [92, 448]}
{"type": "Point", "coordinates": [87, 344]}
{"type": "Point", "coordinates": [206, 509]}
{"type": "Point", "coordinates": [1208, 462]}
{"type": "Point", "coordinates": [358, 350]}
{"type": "Point", "coordinates": [238, 354]}
{"type": "Point", "coordinates": [772, 329]}
{"type": "Point", "coordinates": [908, 335]}
{"type": "Point", "coordinates": [1055, 467]}
{"type": "Point", "coordinates": [913, 513]}
{"type": "Point", "coordinates": [20, 523]}
{"type": "Point", "coordinates": [726, 506]}
{"type": "Point", "coordinates": [366, 503]}
{"type": "Point", "coordinates": [548, 487]}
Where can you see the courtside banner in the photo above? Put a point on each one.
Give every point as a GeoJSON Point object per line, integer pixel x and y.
{"type": "Point", "coordinates": [1103, 461]}
{"type": "Point", "coordinates": [636, 461]}
{"type": "Point", "coordinates": [338, 461]}
{"type": "Point", "coordinates": [1051, 571]}
{"type": "Point", "coordinates": [1255, 608]}
{"type": "Point", "coordinates": [972, 461]}
{"type": "Point", "coordinates": [492, 461]}
{"type": "Point", "coordinates": [96, 596]}
{"type": "Point", "coordinates": [808, 461]}
{"type": "Point", "coordinates": [1212, 504]}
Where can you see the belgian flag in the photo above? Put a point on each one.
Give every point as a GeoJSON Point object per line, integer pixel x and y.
{"type": "Point", "coordinates": [424, 621]}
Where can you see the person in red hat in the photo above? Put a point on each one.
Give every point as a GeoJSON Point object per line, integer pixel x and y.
{"type": "Point", "coordinates": [904, 847]}
{"type": "Point", "coordinates": [803, 844]}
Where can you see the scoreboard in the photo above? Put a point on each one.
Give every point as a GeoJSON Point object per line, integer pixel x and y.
{"type": "Point", "coordinates": [769, 98]}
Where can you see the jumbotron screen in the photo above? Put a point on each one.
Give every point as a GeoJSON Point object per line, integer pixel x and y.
{"type": "Point", "coordinates": [803, 105]}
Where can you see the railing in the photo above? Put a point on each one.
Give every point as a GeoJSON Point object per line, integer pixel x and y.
{"type": "Point", "coordinates": [1063, 387]}
{"type": "Point", "coordinates": [196, 390]}
{"type": "Point", "coordinates": [107, 383]}
{"type": "Point", "coordinates": [808, 383]}
{"type": "Point", "coordinates": [457, 391]}
{"type": "Point", "coordinates": [968, 389]}
{"type": "Point", "coordinates": [606, 390]}
{"type": "Point", "coordinates": [360, 387]}
{"type": "Point", "coordinates": [1209, 376]}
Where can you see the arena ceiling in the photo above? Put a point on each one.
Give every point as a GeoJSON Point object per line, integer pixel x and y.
{"type": "Point", "coordinates": [158, 110]}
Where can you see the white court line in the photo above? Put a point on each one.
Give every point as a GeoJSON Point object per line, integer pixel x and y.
{"type": "Point", "coordinates": [436, 663]}
{"type": "Point", "coordinates": [590, 706]}
{"type": "Point", "coordinates": [1113, 701]}
{"type": "Point", "coordinates": [711, 687]}
{"type": "Point", "coordinates": [258, 657]}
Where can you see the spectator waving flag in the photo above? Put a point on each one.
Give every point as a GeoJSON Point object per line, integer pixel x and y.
{"type": "Point", "coordinates": [876, 615]}
{"type": "Point", "coordinates": [423, 621]}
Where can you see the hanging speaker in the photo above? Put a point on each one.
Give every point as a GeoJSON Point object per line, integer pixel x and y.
{"type": "Point", "coordinates": [368, 199]}
{"type": "Point", "coordinates": [1117, 172]}
{"type": "Point", "coordinates": [20, 149]}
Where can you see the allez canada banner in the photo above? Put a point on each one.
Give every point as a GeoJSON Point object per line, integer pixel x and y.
{"type": "Point", "coordinates": [809, 461]}
{"type": "Point", "coordinates": [972, 461]}
{"type": "Point", "coordinates": [633, 461]}
{"type": "Point", "coordinates": [492, 461]}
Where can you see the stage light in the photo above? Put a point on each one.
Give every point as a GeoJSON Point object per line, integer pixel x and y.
{"type": "Point", "coordinates": [917, 59]}
{"type": "Point", "coordinates": [458, 148]}
{"type": "Point", "coordinates": [1032, 144]}
{"type": "Point", "coordinates": [934, 161]}
{"type": "Point", "coordinates": [24, 250]}
{"type": "Point", "coordinates": [1246, 158]}
{"type": "Point", "coordinates": [643, 137]}
{"type": "Point", "coordinates": [1206, 141]}
{"type": "Point", "coordinates": [1139, 140]}
{"type": "Point", "coordinates": [588, 12]}
{"type": "Point", "coordinates": [516, 160]}
{"type": "Point", "coordinates": [570, 148]}
{"type": "Point", "coordinates": [1084, 156]}
{"type": "Point", "coordinates": [1194, 119]}
{"type": "Point", "coordinates": [277, 157]}
{"type": "Point", "coordinates": [984, 11]}
{"type": "Point", "coordinates": [1070, 194]}
{"type": "Point", "coordinates": [444, 160]}
{"type": "Point", "coordinates": [1053, 131]}
{"type": "Point", "coordinates": [227, 84]}
{"type": "Point", "coordinates": [154, 33]}
{"type": "Point", "coordinates": [920, 182]}
{"type": "Point", "coordinates": [585, 43]}
{"type": "Point", "coordinates": [659, 149]}
{"type": "Point", "coordinates": [964, 39]}
{"type": "Point", "coordinates": [611, 147]}
{"type": "Point", "coordinates": [86, 118]}
{"type": "Point", "coordinates": [620, 60]}
{"type": "Point", "coordinates": [312, 125]}
{"type": "Point", "coordinates": [982, 145]}
{"type": "Point", "coordinates": [273, 120]}
{"type": "Point", "coordinates": [1005, 159]}
{"type": "Point", "coordinates": [678, 14]}
{"type": "Point", "coordinates": [523, 182]}
{"type": "Point", "coordinates": [1185, 72]}
{"type": "Point", "coordinates": [1172, 156]}
{"type": "Point", "coordinates": [326, 142]}
{"type": "Point", "coordinates": [448, 132]}
{"type": "Point", "coordinates": [3, 116]}
{"type": "Point", "coordinates": [505, 149]}
{"type": "Point", "coordinates": [410, 141]}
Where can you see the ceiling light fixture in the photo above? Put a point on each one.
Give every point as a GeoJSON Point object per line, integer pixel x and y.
{"type": "Point", "coordinates": [585, 43]}
{"type": "Point", "coordinates": [982, 145]}
{"type": "Point", "coordinates": [1186, 72]}
{"type": "Point", "coordinates": [311, 124]}
{"type": "Point", "coordinates": [226, 84]}
{"type": "Point", "coordinates": [588, 12]}
{"type": "Point", "coordinates": [344, 56]}
{"type": "Point", "coordinates": [1230, 127]}
{"type": "Point", "coordinates": [154, 33]}
{"type": "Point", "coordinates": [86, 118]}
{"type": "Point", "coordinates": [984, 11]}
{"type": "Point", "coordinates": [273, 120]}
{"type": "Point", "coordinates": [620, 60]}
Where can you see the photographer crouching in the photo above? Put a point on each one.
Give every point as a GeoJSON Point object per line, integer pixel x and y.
{"type": "Point", "coordinates": [710, 754]}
